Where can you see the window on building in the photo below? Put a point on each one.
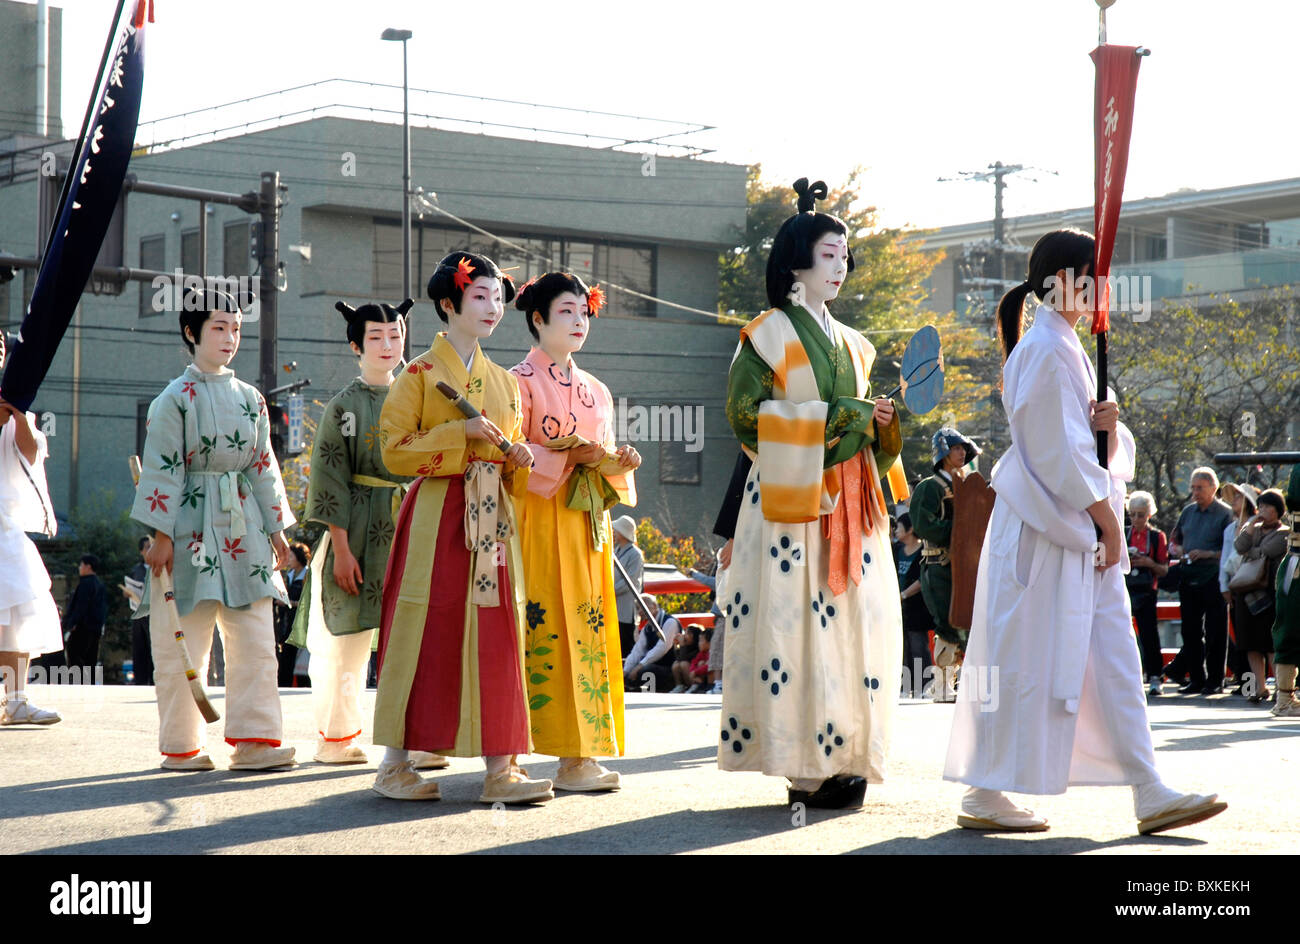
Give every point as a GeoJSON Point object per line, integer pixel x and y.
{"type": "Point", "coordinates": [29, 286]}
{"type": "Point", "coordinates": [679, 428]}
{"type": "Point", "coordinates": [153, 255]}
{"type": "Point", "coordinates": [1151, 247]}
{"type": "Point", "coordinates": [190, 252]}
{"type": "Point", "coordinates": [580, 259]}
{"type": "Point", "coordinates": [141, 424]}
{"type": "Point", "coordinates": [386, 275]}
{"type": "Point", "coordinates": [1282, 233]}
{"type": "Point", "coordinates": [522, 266]}
{"type": "Point", "coordinates": [434, 243]}
{"type": "Point", "coordinates": [628, 266]}
{"type": "Point", "coordinates": [677, 466]}
{"type": "Point", "coordinates": [234, 249]}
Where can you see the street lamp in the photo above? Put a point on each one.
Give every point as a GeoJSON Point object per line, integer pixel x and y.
{"type": "Point", "coordinates": [401, 36]}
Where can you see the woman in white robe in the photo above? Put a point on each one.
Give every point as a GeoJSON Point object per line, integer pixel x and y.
{"type": "Point", "coordinates": [29, 621]}
{"type": "Point", "coordinates": [1052, 686]}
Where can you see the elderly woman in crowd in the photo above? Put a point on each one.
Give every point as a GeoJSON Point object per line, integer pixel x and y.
{"type": "Point", "coordinates": [1262, 542]}
{"type": "Point", "coordinates": [1148, 552]}
{"type": "Point", "coordinates": [1242, 498]}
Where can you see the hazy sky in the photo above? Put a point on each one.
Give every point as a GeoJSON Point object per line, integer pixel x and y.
{"type": "Point", "coordinates": [912, 91]}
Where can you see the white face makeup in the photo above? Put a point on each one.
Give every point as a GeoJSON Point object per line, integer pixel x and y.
{"type": "Point", "coordinates": [482, 307]}
{"type": "Point", "coordinates": [383, 347]}
{"type": "Point", "coordinates": [830, 266]}
{"type": "Point", "coordinates": [567, 329]}
{"type": "Point", "coordinates": [218, 341]}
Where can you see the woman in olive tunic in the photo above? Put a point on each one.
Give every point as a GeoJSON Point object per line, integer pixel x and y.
{"type": "Point", "coordinates": [351, 492]}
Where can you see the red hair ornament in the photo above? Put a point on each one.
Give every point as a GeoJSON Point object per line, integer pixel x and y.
{"type": "Point", "coordinates": [464, 274]}
{"type": "Point", "coordinates": [595, 301]}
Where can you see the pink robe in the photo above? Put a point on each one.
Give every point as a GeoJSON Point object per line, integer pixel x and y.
{"type": "Point", "coordinates": [553, 408]}
{"type": "Point", "coordinates": [575, 680]}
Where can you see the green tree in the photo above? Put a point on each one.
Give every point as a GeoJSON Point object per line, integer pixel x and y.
{"type": "Point", "coordinates": [681, 552]}
{"type": "Point", "coordinates": [113, 538]}
{"type": "Point", "coordinates": [1193, 381]}
{"type": "Point", "coordinates": [296, 473]}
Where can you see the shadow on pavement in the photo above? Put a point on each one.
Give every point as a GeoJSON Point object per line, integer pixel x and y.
{"type": "Point", "coordinates": [958, 841]}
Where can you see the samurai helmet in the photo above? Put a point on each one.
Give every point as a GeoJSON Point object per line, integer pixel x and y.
{"type": "Point", "coordinates": [945, 439]}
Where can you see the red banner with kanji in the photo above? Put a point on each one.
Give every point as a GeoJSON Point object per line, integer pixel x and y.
{"type": "Point", "coordinates": [1117, 72]}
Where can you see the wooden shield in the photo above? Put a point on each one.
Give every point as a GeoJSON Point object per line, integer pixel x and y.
{"type": "Point", "coordinates": [972, 501]}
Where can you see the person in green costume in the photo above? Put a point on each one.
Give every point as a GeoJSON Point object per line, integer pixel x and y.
{"type": "Point", "coordinates": [1286, 627]}
{"type": "Point", "coordinates": [355, 497]}
{"type": "Point", "coordinates": [931, 509]}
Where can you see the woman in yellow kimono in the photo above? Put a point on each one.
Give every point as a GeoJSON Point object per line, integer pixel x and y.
{"type": "Point", "coordinates": [575, 697]}
{"type": "Point", "coordinates": [451, 677]}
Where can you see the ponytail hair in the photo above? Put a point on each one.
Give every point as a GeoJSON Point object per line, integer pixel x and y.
{"type": "Point", "coordinates": [1068, 249]}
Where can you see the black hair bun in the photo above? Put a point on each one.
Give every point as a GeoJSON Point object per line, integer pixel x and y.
{"type": "Point", "coordinates": [346, 310]}
{"type": "Point", "coordinates": [809, 194]}
{"type": "Point", "coordinates": [398, 311]}
{"type": "Point", "coordinates": [524, 297]}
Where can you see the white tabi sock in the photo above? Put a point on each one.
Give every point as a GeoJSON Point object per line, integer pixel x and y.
{"type": "Point", "coordinates": [981, 802]}
{"type": "Point", "coordinates": [395, 755]}
{"type": "Point", "coordinates": [1152, 798]}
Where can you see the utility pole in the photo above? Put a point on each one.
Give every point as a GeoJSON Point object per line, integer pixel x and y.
{"type": "Point", "coordinates": [992, 263]}
{"type": "Point", "coordinates": [401, 36]}
{"type": "Point", "coordinates": [995, 261]}
{"type": "Point", "coordinates": [268, 287]}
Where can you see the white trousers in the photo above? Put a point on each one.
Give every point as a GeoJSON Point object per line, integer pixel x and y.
{"type": "Point", "coordinates": [1009, 731]}
{"type": "Point", "coordinates": [338, 677]}
{"type": "Point", "coordinates": [252, 704]}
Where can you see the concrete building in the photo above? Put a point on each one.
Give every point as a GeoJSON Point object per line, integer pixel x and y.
{"type": "Point", "coordinates": [651, 224]}
{"type": "Point", "coordinates": [30, 81]}
{"type": "Point", "coordinates": [1192, 244]}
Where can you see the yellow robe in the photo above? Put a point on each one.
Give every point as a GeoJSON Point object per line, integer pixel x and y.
{"type": "Point", "coordinates": [575, 679]}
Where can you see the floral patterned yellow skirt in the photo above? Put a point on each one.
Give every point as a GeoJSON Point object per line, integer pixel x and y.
{"type": "Point", "coordinates": [575, 678]}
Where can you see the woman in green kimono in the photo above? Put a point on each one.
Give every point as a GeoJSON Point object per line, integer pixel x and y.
{"type": "Point", "coordinates": [814, 623]}
{"type": "Point", "coordinates": [352, 493]}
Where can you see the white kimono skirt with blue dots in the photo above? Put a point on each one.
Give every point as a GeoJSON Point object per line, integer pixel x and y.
{"type": "Point", "coordinates": [811, 679]}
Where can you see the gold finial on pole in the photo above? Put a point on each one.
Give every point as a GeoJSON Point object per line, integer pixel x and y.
{"type": "Point", "coordinates": [1102, 6]}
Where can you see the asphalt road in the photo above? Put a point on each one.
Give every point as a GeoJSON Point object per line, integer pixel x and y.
{"type": "Point", "coordinates": [91, 785]}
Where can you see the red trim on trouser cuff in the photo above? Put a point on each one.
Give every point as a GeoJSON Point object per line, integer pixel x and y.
{"type": "Point", "coordinates": [348, 738]}
{"type": "Point", "coordinates": [190, 754]}
{"type": "Point", "coordinates": [234, 741]}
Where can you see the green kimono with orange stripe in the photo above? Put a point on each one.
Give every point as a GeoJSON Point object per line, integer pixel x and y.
{"type": "Point", "coordinates": [813, 620]}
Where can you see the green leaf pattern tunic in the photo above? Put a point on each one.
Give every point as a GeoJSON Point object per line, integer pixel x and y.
{"type": "Point", "coordinates": [347, 444]}
{"type": "Point", "coordinates": [207, 458]}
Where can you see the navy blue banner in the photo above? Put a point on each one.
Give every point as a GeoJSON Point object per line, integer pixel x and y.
{"type": "Point", "coordinates": [91, 196]}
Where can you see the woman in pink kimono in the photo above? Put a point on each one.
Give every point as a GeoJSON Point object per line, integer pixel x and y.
{"type": "Point", "coordinates": [575, 686]}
